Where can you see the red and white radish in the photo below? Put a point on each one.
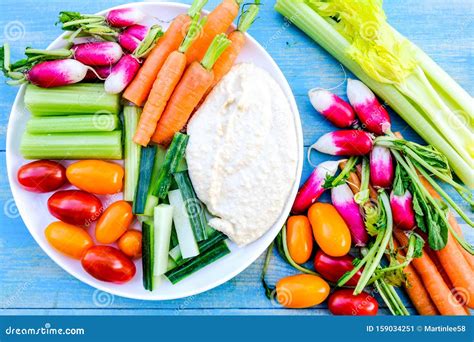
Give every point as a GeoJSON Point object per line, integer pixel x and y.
{"type": "Point", "coordinates": [98, 73]}
{"type": "Point", "coordinates": [344, 143]}
{"type": "Point", "coordinates": [402, 210]}
{"type": "Point", "coordinates": [98, 53]}
{"type": "Point", "coordinates": [370, 112]}
{"type": "Point", "coordinates": [332, 107]}
{"type": "Point", "coordinates": [56, 73]}
{"type": "Point", "coordinates": [313, 188]}
{"type": "Point", "coordinates": [124, 17]}
{"type": "Point", "coordinates": [381, 168]}
{"type": "Point", "coordinates": [132, 36]}
{"type": "Point", "coordinates": [343, 199]}
{"type": "Point", "coordinates": [122, 74]}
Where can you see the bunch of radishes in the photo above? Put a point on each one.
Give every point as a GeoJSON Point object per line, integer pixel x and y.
{"type": "Point", "coordinates": [116, 61]}
{"type": "Point", "coordinates": [361, 120]}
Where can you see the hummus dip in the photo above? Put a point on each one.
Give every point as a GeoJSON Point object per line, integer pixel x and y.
{"type": "Point", "coordinates": [242, 153]}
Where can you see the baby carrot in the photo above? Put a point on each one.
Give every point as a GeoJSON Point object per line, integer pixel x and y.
{"type": "Point", "coordinates": [439, 292]}
{"type": "Point", "coordinates": [416, 290]}
{"type": "Point", "coordinates": [188, 93]}
{"type": "Point", "coordinates": [218, 21]}
{"type": "Point", "coordinates": [138, 90]}
{"type": "Point", "coordinates": [237, 37]}
{"type": "Point", "coordinates": [164, 85]}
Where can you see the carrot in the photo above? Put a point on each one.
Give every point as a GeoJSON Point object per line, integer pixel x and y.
{"type": "Point", "coordinates": [439, 292]}
{"type": "Point", "coordinates": [416, 290]}
{"type": "Point", "coordinates": [164, 85]}
{"type": "Point", "coordinates": [218, 21]}
{"type": "Point", "coordinates": [237, 38]}
{"type": "Point", "coordinates": [138, 90]}
{"type": "Point", "coordinates": [469, 257]}
{"type": "Point", "coordinates": [188, 93]}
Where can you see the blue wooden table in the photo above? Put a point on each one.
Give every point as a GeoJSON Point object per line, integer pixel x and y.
{"type": "Point", "coordinates": [31, 283]}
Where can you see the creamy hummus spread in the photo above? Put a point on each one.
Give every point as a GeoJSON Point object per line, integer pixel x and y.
{"type": "Point", "coordinates": [242, 153]}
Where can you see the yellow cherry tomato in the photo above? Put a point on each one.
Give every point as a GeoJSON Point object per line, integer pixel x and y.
{"type": "Point", "coordinates": [299, 238]}
{"type": "Point", "coordinates": [96, 176]}
{"type": "Point", "coordinates": [114, 222]}
{"type": "Point", "coordinates": [301, 291]}
{"type": "Point", "coordinates": [68, 239]}
{"type": "Point", "coordinates": [329, 229]}
{"type": "Point", "coordinates": [131, 243]}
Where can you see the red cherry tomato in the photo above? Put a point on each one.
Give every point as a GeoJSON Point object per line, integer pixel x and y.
{"type": "Point", "coordinates": [108, 264]}
{"type": "Point", "coordinates": [42, 176]}
{"type": "Point", "coordinates": [333, 268]}
{"type": "Point", "coordinates": [76, 207]}
{"type": "Point", "coordinates": [343, 302]}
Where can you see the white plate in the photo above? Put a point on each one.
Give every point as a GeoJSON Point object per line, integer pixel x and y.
{"type": "Point", "coordinates": [34, 212]}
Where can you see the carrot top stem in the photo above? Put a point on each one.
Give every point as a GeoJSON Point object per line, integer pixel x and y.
{"type": "Point", "coordinates": [363, 195]}
{"type": "Point", "coordinates": [194, 31]}
{"type": "Point", "coordinates": [215, 50]}
{"type": "Point", "coordinates": [248, 16]}
{"type": "Point", "coordinates": [154, 33]}
{"type": "Point", "coordinates": [196, 7]}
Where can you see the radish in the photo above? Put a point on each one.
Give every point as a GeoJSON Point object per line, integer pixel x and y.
{"type": "Point", "coordinates": [122, 74]}
{"type": "Point", "coordinates": [402, 210]}
{"type": "Point", "coordinates": [343, 199]}
{"type": "Point", "coordinates": [98, 73]}
{"type": "Point", "coordinates": [56, 73]}
{"type": "Point", "coordinates": [370, 112]}
{"type": "Point", "coordinates": [332, 107]}
{"type": "Point", "coordinates": [132, 36]}
{"type": "Point", "coordinates": [344, 143]}
{"type": "Point", "coordinates": [98, 53]}
{"type": "Point", "coordinates": [313, 188]}
{"type": "Point", "coordinates": [124, 17]}
{"type": "Point", "coordinates": [381, 168]}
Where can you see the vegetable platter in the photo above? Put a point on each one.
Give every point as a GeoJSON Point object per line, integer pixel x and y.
{"type": "Point", "coordinates": [119, 245]}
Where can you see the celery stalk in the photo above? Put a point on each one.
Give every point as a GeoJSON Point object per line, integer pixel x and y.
{"type": "Point", "coordinates": [131, 115]}
{"type": "Point", "coordinates": [323, 32]}
{"type": "Point", "coordinates": [73, 123]}
{"type": "Point", "coordinates": [81, 98]}
{"type": "Point", "coordinates": [99, 145]}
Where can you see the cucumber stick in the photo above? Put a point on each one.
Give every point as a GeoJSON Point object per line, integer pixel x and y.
{"type": "Point", "coordinates": [148, 241]}
{"type": "Point", "coordinates": [93, 145]}
{"type": "Point", "coordinates": [195, 264]}
{"type": "Point", "coordinates": [204, 246]}
{"type": "Point", "coordinates": [81, 98]}
{"type": "Point", "coordinates": [173, 158]}
{"type": "Point", "coordinates": [131, 115]}
{"type": "Point", "coordinates": [194, 207]}
{"type": "Point", "coordinates": [184, 230]}
{"type": "Point", "coordinates": [163, 222]}
{"type": "Point", "coordinates": [151, 200]}
{"type": "Point", "coordinates": [147, 158]}
{"type": "Point", "coordinates": [73, 123]}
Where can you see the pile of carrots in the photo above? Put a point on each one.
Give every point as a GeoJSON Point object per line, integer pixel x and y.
{"type": "Point", "coordinates": [186, 63]}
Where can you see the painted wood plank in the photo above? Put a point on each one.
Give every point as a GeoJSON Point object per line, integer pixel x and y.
{"type": "Point", "coordinates": [31, 283]}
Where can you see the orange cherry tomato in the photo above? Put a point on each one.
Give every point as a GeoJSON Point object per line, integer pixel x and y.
{"type": "Point", "coordinates": [114, 222]}
{"type": "Point", "coordinates": [68, 239]}
{"type": "Point", "coordinates": [301, 291]}
{"type": "Point", "coordinates": [130, 243]}
{"type": "Point", "coordinates": [96, 176]}
{"type": "Point", "coordinates": [329, 229]}
{"type": "Point", "coordinates": [299, 238]}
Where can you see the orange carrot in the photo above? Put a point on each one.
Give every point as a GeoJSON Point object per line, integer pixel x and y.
{"type": "Point", "coordinates": [188, 93]}
{"type": "Point", "coordinates": [237, 38]}
{"type": "Point", "coordinates": [163, 87]}
{"type": "Point", "coordinates": [416, 290]}
{"type": "Point", "coordinates": [138, 90]}
{"type": "Point", "coordinates": [439, 292]}
{"type": "Point", "coordinates": [468, 256]}
{"type": "Point", "coordinates": [218, 21]}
